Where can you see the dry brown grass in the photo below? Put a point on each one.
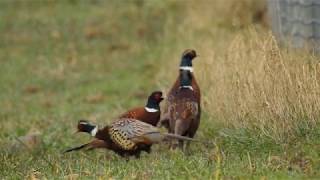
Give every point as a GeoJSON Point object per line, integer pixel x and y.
{"type": "Point", "coordinates": [247, 81]}
{"type": "Point", "coordinates": [254, 84]}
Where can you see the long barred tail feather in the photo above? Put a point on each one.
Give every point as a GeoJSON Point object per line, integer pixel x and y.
{"type": "Point", "coordinates": [76, 148]}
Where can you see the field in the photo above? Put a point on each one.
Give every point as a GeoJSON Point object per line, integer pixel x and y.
{"type": "Point", "coordinates": [61, 61]}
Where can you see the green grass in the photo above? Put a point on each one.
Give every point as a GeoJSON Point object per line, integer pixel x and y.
{"type": "Point", "coordinates": [67, 60]}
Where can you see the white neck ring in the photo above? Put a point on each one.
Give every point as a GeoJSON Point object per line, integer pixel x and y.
{"type": "Point", "coordinates": [188, 87]}
{"type": "Point", "coordinates": [186, 68]}
{"type": "Point", "coordinates": [94, 131]}
{"type": "Point", "coordinates": [151, 109]}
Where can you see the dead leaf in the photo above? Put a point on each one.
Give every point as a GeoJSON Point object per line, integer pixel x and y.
{"type": "Point", "coordinates": [141, 32]}
{"type": "Point", "coordinates": [31, 89]}
{"type": "Point", "coordinates": [93, 32]}
{"type": "Point", "coordinates": [47, 103]}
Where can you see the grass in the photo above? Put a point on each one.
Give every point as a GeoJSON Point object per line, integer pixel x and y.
{"type": "Point", "coordinates": [62, 61]}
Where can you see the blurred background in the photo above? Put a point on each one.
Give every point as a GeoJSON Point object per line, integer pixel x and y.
{"type": "Point", "coordinates": [61, 61]}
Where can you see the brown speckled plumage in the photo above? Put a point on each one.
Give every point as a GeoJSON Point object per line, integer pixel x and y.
{"type": "Point", "coordinates": [182, 111]}
{"type": "Point", "coordinates": [140, 114]}
{"type": "Point", "coordinates": [126, 137]}
{"type": "Point", "coordinates": [184, 114]}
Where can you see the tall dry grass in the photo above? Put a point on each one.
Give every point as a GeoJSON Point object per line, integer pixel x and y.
{"type": "Point", "coordinates": [247, 80]}
{"type": "Point", "coordinates": [256, 85]}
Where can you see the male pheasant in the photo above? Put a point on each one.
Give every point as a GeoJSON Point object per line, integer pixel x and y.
{"type": "Point", "coordinates": [125, 136]}
{"type": "Point", "coordinates": [183, 110]}
{"type": "Point", "coordinates": [150, 113]}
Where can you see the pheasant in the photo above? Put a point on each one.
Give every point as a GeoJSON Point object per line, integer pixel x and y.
{"type": "Point", "coordinates": [125, 136]}
{"type": "Point", "coordinates": [150, 113]}
{"type": "Point", "coordinates": [179, 94]}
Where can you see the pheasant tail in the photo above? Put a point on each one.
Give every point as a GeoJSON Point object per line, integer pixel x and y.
{"type": "Point", "coordinates": [76, 148]}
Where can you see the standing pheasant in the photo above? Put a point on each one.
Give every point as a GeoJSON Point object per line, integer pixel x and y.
{"type": "Point", "coordinates": [183, 110]}
{"type": "Point", "coordinates": [125, 136]}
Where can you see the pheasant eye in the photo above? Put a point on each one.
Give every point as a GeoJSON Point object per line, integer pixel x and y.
{"type": "Point", "coordinates": [158, 96]}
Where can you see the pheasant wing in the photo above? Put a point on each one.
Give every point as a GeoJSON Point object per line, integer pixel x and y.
{"type": "Point", "coordinates": [145, 133]}
{"type": "Point", "coordinates": [128, 132]}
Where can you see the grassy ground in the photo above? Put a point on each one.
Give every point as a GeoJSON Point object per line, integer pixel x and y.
{"type": "Point", "coordinates": [62, 61]}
